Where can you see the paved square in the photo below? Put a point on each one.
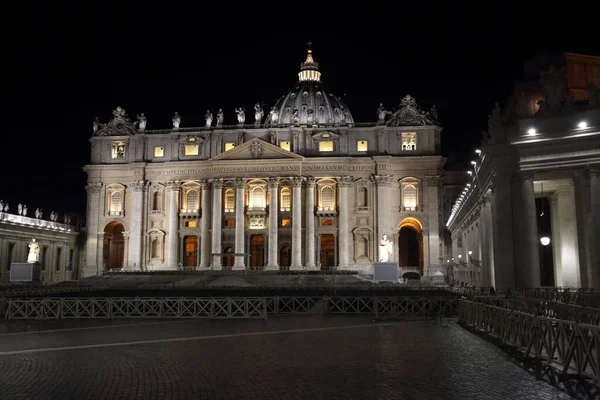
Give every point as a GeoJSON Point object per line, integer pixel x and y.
{"type": "Point", "coordinates": [291, 357]}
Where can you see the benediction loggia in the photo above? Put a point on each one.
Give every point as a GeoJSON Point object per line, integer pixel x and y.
{"type": "Point", "coordinates": [303, 186]}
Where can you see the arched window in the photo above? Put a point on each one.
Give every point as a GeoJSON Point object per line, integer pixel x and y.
{"type": "Point", "coordinates": [258, 198]}
{"type": "Point", "coordinates": [116, 203]}
{"type": "Point", "coordinates": [229, 200]}
{"type": "Point", "coordinates": [409, 197]}
{"type": "Point", "coordinates": [327, 198]}
{"type": "Point", "coordinates": [155, 248]}
{"type": "Point", "coordinates": [156, 201]}
{"type": "Point", "coordinates": [191, 199]}
{"type": "Point", "coordinates": [286, 199]}
{"type": "Point", "coordinates": [362, 198]}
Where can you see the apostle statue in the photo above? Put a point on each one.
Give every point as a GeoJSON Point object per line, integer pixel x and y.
{"type": "Point", "coordinates": [274, 115]}
{"type": "Point", "coordinates": [241, 115]}
{"type": "Point", "coordinates": [34, 251]}
{"type": "Point", "coordinates": [141, 123]}
{"type": "Point", "coordinates": [20, 209]}
{"type": "Point", "coordinates": [381, 113]}
{"type": "Point", "coordinates": [24, 210]}
{"type": "Point", "coordinates": [176, 120]}
{"type": "Point", "coordinates": [6, 207]}
{"type": "Point", "coordinates": [38, 213]}
{"type": "Point", "coordinates": [1, 205]}
{"type": "Point", "coordinates": [220, 118]}
{"type": "Point", "coordinates": [208, 117]}
{"type": "Point", "coordinates": [67, 219]}
{"type": "Point", "coordinates": [96, 124]}
{"type": "Point", "coordinates": [385, 249]}
{"type": "Point", "coordinates": [258, 114]}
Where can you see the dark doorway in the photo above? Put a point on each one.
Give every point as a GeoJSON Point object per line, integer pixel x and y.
{"type": "Point", "coordinates": [114, 245]}
{"type": "Point", "coordinates": [257, 252]}
{"type": "Point", "coordinates": [546, 252]}
{"type": "Point", "coordinates": [327, 251]}
{"type": "Point", "coordinates": [228, 258]}
{"type": "Point", "coordinates": [410, 248]}
{"type": "Point", "coordinates": [191, 251]}
{"type": "Point", "coordinates": [285, 257]}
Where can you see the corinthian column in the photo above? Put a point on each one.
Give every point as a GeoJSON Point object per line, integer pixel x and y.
{"type": "Point", "coordinates": [383, 182]}
{"type": "Point", "coordinates": [310, 223]}
{"type": "Point", "coordinates": [343, 235]}
{"type": "Point", "coordinates": [296, 223]}
{"type": "Point", "coordinates": [135, 225]}
{"type": "Point", "coordinates": [527, 260]}
{"type": "Point", "coordinates": [173, 234]}
{"type": "Point", "coordinates": [93, 266]}
{"type": "Point", "coordinates": [205, 227]}
{"type": "Point", "coordinates": [240, 184]}
{"type": "Point", "coordinates": [273, 224]}
{"type": "Point", "coordinates": [217, 185]}
{"type": "Point", "coordinates": [487, 242]}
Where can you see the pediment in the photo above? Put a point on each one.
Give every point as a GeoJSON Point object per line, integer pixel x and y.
{"type": "Point", "coordinates": [256, 149]}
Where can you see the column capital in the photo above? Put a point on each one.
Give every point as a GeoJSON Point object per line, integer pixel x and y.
{"type": "Point", "coordinates": [594, 171]}
{"type": "Point", "coordinates": [273, 182]}
{"type": "Point", "coordinates": [216, 183]}
{"type": "Point", "coordinates": [382, 180]}
{"type": "Point", "coordinates": [296, 181]}
{"type": "Point", "coordinates": [204, 184]}
{"type": "Point", "coordinates": [345, 181]}
{"type": "Point", "coordinates": [173, 185]}
{"type": "Point", "coordinates": [240, 183]}
{"type": "Point", "coordinates": [94, 187]}
{"type": "Point", "coordinates": [432, 179]}
{"type": "Point", "coordinates": [310, 182]}
{"type": "Point", "coordinates": [139, 186]}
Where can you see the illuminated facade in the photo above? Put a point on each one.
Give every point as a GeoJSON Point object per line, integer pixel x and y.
{"type": "Point", "coordinates": [303, 186]}
{"type": "Point", "coordinates": [529, 216]}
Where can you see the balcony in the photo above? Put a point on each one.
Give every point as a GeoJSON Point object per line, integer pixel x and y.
{"type": "Point", "coordinates": [256, 210]}
{"type": "Point", "coordinates": [190, 213]}
{"type": "Point", "coordinates": [326, 211]}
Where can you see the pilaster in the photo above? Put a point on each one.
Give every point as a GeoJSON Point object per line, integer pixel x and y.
{"type": "Point", "coordinates": [382, 182]}
{"type": "Point", "coordinates": [344, 182]}
{"type": "Point", "coordinates": [136, 218]}
{"type": "Point", "coordinates": [173, 187]}
{"type": "Point", "coordinates": [205, 225]}
{"type": "Point", "coordinates": [93, 264]}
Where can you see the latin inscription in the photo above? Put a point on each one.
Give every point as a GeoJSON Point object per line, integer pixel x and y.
{"type": "Point", "coordinates": [258, 168]}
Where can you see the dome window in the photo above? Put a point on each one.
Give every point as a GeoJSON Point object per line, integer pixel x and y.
{"type": "Point", "coordinates": [305, 94]}
{"type": "Point", "coordinates": [319, 93]}
{"type": "Point", "coordinates": [293, 95]}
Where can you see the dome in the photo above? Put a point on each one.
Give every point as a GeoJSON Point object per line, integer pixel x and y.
{"type": "Point", "coordinates": [308, 103]}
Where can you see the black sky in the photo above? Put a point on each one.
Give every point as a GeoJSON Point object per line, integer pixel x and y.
{"type": "Point", "coordinates": [68, 63]}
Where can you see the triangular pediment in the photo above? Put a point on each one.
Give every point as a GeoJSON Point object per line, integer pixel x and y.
{"type": "Point", "coordinates": [256, 149]}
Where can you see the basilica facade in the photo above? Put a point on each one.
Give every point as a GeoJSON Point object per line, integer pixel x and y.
{"type": "Point", "coordinates": [302, 187]}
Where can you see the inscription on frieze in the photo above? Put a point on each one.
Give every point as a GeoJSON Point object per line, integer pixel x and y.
{"type": "Point", "coordinates": [257, 168]}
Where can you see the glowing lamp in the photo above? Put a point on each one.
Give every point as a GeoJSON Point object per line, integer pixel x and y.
{"type": "Point", "coordinates": [582, 125]}
{"type": "Point", "coordinates": [478, 151]}
{"type": "Point", "coordinates": [470, 252]}
{"type": "Point", "coordinates": [545, 240]}
{"type": "Point", "coordinates": [531, 131]}
{"type": "Point", "coordinates": [473, 162]}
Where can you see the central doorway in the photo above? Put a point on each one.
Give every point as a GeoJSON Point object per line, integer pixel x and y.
{"type": "Point", "coordinates": [191, 251]}
{"type": "Point", "coordinates": [114, 245]}
{"type": "Point", "coordinates": [327, 252]}
{"type": "Point", "coordinates": [228, 258]}
{"type": "Point", "coordinates": [257, 252]}
{"type": "Point", "coordinates": [285, 257]}
{"type": "Point", "coordinates": [410, 244]}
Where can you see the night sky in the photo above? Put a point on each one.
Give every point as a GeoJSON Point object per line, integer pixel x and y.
{"type": "Point", "coordinates": [68, 63]}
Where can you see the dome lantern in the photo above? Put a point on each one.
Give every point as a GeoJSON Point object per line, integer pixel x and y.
{"type": "Point", "coordinates": [309, 69]}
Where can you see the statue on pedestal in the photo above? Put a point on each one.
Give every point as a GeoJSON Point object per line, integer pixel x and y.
{"type": "Point", "coordinates": [96, 124]}
{"type": "Point", "coordinates": [176, 120]}
{"type": "Point", "coordinates": [38, 213]}
{"type": "Point", "coordinates": [141, 123]}
{"type": "Point", "coordinates": [20, 209]}
{"type": "Point", "coordinates": [208, 117]}
{"type": "Point", "coordinates": [34, 251]}
{"type": "Point", "coordinates": [385, 249]}
{"type": "Point", "coordinates": [258, 114]}
{"type": "Point", "coordinates": [274, 115]}
{"type": "Point", "coordinates": [220, 118]}
{"type": "Point", "coordinates": [67, 219]}
{"type": "Point", "coordinates": [241, 115]}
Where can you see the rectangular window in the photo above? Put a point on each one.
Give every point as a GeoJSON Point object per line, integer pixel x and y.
{"type": "Point", "coordinates": [362, 145]}
{"type": "Point", "coordinates": [118, 150]}
{"type": "Point", "coordinates": [409, 141]}
{"type": "Point", "coordinates": [159, 151]}
{"type": "Point", "coordinates": [229, 146]}
{"type": "Point", "coordinates": [191, 149]}
{"type": "Point", "coordinates": [230, 223]}
{"type": "Point", "coordinates": [285, 145]}
{"type": "Point", "coordinates": [326, 222]}
{"type": "Point", "coordinates": [58, 258]}
{"type": "Point", "coordinates": [191, 224]}
{"type": "Point", "coordinates": [286, 222]}
{"type": "Point", "coordinates": [326, 146]}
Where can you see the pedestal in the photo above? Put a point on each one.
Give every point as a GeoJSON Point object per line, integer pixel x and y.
{"type": "Point", "coordinates": [385, 272]}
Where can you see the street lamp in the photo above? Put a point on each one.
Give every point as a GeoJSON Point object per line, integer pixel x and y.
{"type": "Point", "coordinates": [545, 240]}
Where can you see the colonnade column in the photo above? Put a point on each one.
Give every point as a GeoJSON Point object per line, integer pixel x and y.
{"type": "Point", "coordinates": [135, 225]}
{"type": "Point", "coordinates": [205, 226]}
{"type": "Point", "coordinates": [217, 210]}
{"type": "Point", "coordinates": [240, 184]}
{"type": "Point", "coordinates": [502, 222]}
{"type": "Point", "coordinates": [567, 270]}
{"type": "Point", "coordinates": [173, 236]}
{"type": "Point", "coordinates": [595, 230]}
{"type": "Point", "coordinates": [273, 224]}
{"type": "Point", "coordinates": [344, 182]}
{"type": "Point", "coordinates": [310, 223]}
{"type": "Point", "coordinates": [93, 263]}
{"type": "Point", "coordinates": [296, 223]}
{"type": "Point", "coordinates": [487, 243]}
{"type": "Point", "coordinates": [432, 191]}
{"type": "Point", "coordinates": [527, 259]}
{"type": "Point", "coordinates": [382, 182]}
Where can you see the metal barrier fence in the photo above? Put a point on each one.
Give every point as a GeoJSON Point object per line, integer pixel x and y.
{"type": "Point", "coordinates": [226, 307]}
{"type": "Point", "coordinates": [581, 297]}
{"type": "Point", "coordinates": [571, 347]}
{"type": "Point", "coordinates": [548, 309]}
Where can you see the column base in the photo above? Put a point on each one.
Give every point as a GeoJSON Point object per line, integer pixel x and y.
{"type": "Point", "coordinates": [238, 268]}
{"type": "Point", "coordinates": [90, 270]}
{"type": "Point", "coordinates": [202, 268]}
{"type": "Point", "coordinates": [296, 268]}
{"type": "Point", "coordinates": [272, 268]}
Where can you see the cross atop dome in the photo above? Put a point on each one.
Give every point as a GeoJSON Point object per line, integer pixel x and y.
{"type": "Point", "coordinates": [309, 69]}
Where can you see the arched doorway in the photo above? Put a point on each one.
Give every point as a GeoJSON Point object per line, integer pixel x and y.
{"type": "Point", "coordinates": [285, 257]}
{"type": "Point", "coordinates": [114, 246]}
{"type": "Point", "coordinates": [410, 243]}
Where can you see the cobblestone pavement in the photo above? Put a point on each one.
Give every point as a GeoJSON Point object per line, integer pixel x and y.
{"type": "Point", "coordinates": [294, 357]}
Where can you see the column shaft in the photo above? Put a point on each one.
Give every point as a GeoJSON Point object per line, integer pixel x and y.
{"type": "Point", "coordinates": [296, 223]}
{"type": "Point", "coordinates": [173, 234]}
{"type": "Point", "coordinates": [205, 249]}
{"type": "Point", "coordinates": [273, 224]}
{"type": "Point", "coordinates": [310, 223]}
{"type": "Point", "coordinates": [217, 210]}
{"type": "Point", "coordinates": [344, 182]}
{"type": "Point", "coordinates": [487, 244]}
{"type": "Point", "coordinates": [239, 224]}
{"type": "Point", "coordinates": [93, 263]}
{"type": "Point", "coordinates": [135, 249]}
{"type": "Point", "coordinates": [526, 235]}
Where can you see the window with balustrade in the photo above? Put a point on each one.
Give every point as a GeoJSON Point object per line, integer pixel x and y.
{"type": "Point", "coordinates": [286, 199]}
{"type": "Point", "coordinates": [192, 200]}
{"type": "Point", "coordinates": [229, 200]}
